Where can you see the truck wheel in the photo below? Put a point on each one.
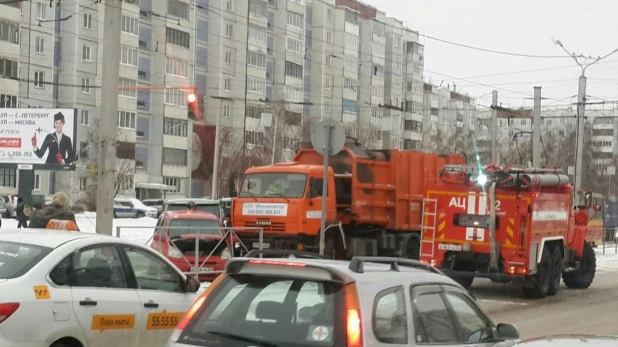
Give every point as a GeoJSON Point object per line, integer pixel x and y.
{"type": "Point", "coordinates": [413, 249]}
{"type": "Point", "coordinates": [556, 260]}
{"type": "Point", "coordinates": [582, 278]}
{"type": "Point", "coordinates": [542, 278]}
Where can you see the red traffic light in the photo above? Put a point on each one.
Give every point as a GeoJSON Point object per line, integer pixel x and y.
{"type": "Point", "coordinates": [191, 98]}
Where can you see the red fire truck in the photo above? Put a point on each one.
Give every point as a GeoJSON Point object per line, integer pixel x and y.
{"type": "Point", "coordinates": [509, 224]}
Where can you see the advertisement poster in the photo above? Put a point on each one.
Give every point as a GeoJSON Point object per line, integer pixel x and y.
{"type": "Point", "coordinates": [43, 138]}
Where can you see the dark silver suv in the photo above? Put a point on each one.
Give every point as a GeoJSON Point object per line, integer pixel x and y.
{"type": "Point", "coordinates": [305, 302]}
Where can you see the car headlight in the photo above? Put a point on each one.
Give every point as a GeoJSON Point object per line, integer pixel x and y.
{"type": "Point", "coordinates": [174, 253]}
{"type": "Point", "coordinates": [225, 254]}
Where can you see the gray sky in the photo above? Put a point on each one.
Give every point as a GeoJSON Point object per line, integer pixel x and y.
{"type": "Point", "coordinates": [525, 27]}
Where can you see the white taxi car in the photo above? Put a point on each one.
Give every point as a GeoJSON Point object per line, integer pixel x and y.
{"type": "Point", "coordinates": [72, 289]}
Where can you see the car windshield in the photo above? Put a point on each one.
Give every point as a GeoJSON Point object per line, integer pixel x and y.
{"type": "Point", "coordinates": [273, 184]}
{"type": "Point", "coordinates": [214, 209]}
{"type": "Point", "coordinates": [180, 227]}
{"type": "Point", "coordinates": [283, 312]}
{"type": "Point", "coordinates": [16, 259]}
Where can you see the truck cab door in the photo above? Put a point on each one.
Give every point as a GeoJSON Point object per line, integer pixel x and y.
{"type": "Point", "coordinates": [315, 196]}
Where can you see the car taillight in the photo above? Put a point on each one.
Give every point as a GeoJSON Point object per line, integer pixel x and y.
{"type": "Point", "coordinates": [271, 262]}
{"type": "Point", "coordinates": [354, 325]}
{"type": "Point", "coordinates": [6, 310]}
{"type": "Point", "coordinates": [186, 319]}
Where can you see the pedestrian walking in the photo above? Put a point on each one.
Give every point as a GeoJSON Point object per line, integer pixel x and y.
{"type": "Point", "coordinates": [23, 212]}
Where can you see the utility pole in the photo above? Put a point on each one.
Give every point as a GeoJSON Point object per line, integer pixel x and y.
{"type": "Point", "coordinates": [108, 120]}
{"type": "Point", "coordinates": [494, 127]}
{"type": "Point", "coordinates": [215, 160]}
{"type": "Point", "coordinates": [536, 130]}
{"type": "Point", "coordinates": [581, 106]}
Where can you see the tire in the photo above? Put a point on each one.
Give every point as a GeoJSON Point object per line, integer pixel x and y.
{"type": "Point", "coordinates": [140, 215]}
{"type": "Point", "coordinates": [556, 260]}
{"type": "Point", "coordinates": [412, 249]}
{"type": "Point", "coordinates": [464, 281]}
{"type": "Point", "coordinates": [61, 344]}
{"type": "Point", "coordinates": [542, 278]}
{"type": "Point", "coordinates": [582, 278]}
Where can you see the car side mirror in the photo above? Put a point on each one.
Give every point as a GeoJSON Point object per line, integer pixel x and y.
{"type": "Point", "coordinates": [507, 331]}
{"type": "Point", "coordinates": [192, 284]}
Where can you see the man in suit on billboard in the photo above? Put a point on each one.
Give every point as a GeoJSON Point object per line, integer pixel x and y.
{"type": "Point", "coordinates": [59, 145]}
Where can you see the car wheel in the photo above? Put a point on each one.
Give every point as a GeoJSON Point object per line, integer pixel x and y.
{"type": "Point", "coordinates": [140, 215]}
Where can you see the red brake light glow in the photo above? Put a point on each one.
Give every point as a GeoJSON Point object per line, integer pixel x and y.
{"type": "Point", "coordinates": [6, 310]}
{"type": "Point", "coordinates": [280, 263]}
{"type": "Point", "coordinates": [354, 325]}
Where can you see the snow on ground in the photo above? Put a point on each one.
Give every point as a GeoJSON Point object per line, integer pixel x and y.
{"type": "Point", "coordinates": [609, 261]}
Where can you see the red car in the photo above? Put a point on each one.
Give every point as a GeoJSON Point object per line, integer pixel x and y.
{"type": "Point", "coordinates": [175, 236]}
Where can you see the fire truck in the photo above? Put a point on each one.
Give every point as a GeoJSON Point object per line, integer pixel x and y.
{"type": "Point", "coordinates": [509, 224]}
{"type": "Point", "coordinates": [373, 206]}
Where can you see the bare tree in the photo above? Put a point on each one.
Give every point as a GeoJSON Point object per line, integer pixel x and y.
{"type": "Point", "coordinates": [456, 142]}
{"type": "Point", "coordinates": [282, 133]}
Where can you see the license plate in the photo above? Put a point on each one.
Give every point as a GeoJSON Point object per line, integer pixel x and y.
{"type": "Point", "coordinates": [202, 269]}
{"type": "Point", "coordinates": [447, 247]}
{"type": "Point", "coordinates": [264, 245]}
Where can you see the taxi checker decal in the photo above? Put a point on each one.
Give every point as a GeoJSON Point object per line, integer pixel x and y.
{"type": "Point", "coordinates": [41, 292]}
{"type": "Point", "coordinates": [163, 320]}
{"type": "Point", "coordinates": [104, 322]}
{"type": "Point", "coordinates": [319, 333]}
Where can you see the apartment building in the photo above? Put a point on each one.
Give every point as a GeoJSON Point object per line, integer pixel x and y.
{"type": "Point", "coordinates": [60, 52]}
{"type": "Point", "coordinates": [413, 66]}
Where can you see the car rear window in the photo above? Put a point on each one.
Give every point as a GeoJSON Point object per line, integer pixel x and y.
{"type": "Point", "coordinates": [212, 227]}
{"type": "Point", "coordinates": [16, 259]}
{"type": "Point", "coordinates": [214, 209]}
{"type": "Point", "coordinates": [284, 312]}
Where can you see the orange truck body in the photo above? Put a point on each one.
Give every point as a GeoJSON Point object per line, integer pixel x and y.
{"type": "Point", "coordinates": [533, 211]}
{"type": "Point", "coordinates": [376, 208]}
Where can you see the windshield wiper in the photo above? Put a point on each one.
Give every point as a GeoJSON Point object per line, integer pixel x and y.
{"type": "Point", "coordinates": [242, 338]}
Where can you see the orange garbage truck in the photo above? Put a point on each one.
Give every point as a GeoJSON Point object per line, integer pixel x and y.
{"type": "Point", "coordinates": [509, 224]}
{"type": "Point", "coordinates": [374, 202]}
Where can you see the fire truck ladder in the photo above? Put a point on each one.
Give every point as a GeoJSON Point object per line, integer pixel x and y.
{"type": "Point", "coordinates": [430, 210]}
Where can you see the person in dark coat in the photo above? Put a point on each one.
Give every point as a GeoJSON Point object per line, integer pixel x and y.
{"type": "Point", "coordinates": [22, 219]}
{"type": "Point", "coordinates": [57, 210]}
{"type": "Point", "coordinates": [58, 146]}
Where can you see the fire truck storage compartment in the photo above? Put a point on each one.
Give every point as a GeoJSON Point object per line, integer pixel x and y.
{"type": "Point", "coordinates": [387, 186]}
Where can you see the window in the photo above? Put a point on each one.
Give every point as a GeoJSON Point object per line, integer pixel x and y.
{"type": "Point", "coordinates": [229, 30]}
{"type": "Point", "coordinates": [256, 86]}
{"type": "Point", "coordinates": [293, 69]}
{"type": "Point", "coordinates": [128, 56]}
{"type": "Point", "coordinates": [174, 182]}
{"type": "Point", "coordinates": [328, 82]}
{"type": "Point", "coordinates": [129, 25]}
{"type": "Point", "coordinates": [351, 16]}
{"type": "Point", "coordinates": [152, 273]}
{"type": "Point", "coordinates": [229, 5]}
{"type": "Point", "coordinates": [8, 101]}
{"type": "Point", "coordinates": [474, 328]}
{"type": "Point", "coordinates": [434, 323]}
{"type": "Point", "coordinates": [228, 58]}
{"type": "Point", "coordinates": [131, 85]}
{"type": "Point", "coordinates": [126, 119]}
{"type": "Point", "coordinates": [18, 258]}
{"type": "Point", "coordinates": [174, 66]}
{"type": "Point", "coordinates": [350, 84]}
{"type": "Point", "coordinates": [254, 111]}
{"type": "Point", "coordinates": [83, 183]}
{"type": "Point", "coordinates": [329, 37]}
{"type": "Point", "coordinates": [227, 111]}
{"type": "Point", "coordinates": [255, 138]}
{"type": "Point", "coordinates": [178, 8]}
{"type": "Point", "coordinates": [294, 45]}
{"type": "Point", "coordinates": [88, 21]}
{"type": "Point", "coordinates": [39, 45]}
{"type": "Point", "coordinates": [257, 33]}
{"type": "Point", "coordinates": [175, 127]}
{"type": "Point", "coordinates": [329, 14]}
{"type": "Point", "coordinates": [293, 94]}
{"type": "Point", "coordinates": [390, 323]}
{"type": "Point", "coordinates": [125, 150]}
{"type": "Point", "coordinates": [350, 106]}
{"type": "Point", "coordinates": [37, 182]}
{"type": "Point", "coordinates": [258, 7]}
{"type": "Point", "coordinates": [98, 266]}
{"type": "Point", "coordinates": [85, 117]}
{"type": "Point", "coordinates": [281, 322]}
{"type": "Point", "coordinates": [176, 97]}
{"type": "Point", "coordinates": [9, 31]}
{"type": "Point", "coordinates": [85, 85]}
{"type": "Point", "coordinates": [83, 150]}
{"type": "Point", "coordinates": [227, 84]}
{"type": "Point", "coordinates": [41, 12]}
{"type": "Point", "coordinates": [351, 40]}
{"type": "Point", "coordinates": [174, 156]}
{"type": "Point", "coordinates": [8, 178]}
{"type": "Point", "coordinates": [178, 38]}
{"type": "Point", "coordinates": [377, 91]}
{"type": "Point", "coordinates": [295, 19]}
{"type": "Point", "coordinates": [378, 70]}
{"type": "Point", "coordinates": [256, 59]}
{"type": "Point", "coordinates": [86, 53]}
{"type": "Point", "coordinates": [9, 68]}
{"type": "Point", "coordinates": [350, 62]}
{"type": "Point", "coordinates": [39, 79]}
{"type": "Point", "coordinates": [378, 49]}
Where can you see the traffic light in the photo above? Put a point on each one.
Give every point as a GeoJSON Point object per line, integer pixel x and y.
{"type": "Point", "coordinates": [193, 108]}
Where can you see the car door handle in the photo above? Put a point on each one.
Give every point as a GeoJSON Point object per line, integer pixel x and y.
{"type": "Point", "coordinates": [151, 304]}
{"type": "Point", "coordinates": [88, 302]}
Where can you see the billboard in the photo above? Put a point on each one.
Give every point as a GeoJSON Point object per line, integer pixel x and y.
{"type": "Point", "coordinates": [38, 138]}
